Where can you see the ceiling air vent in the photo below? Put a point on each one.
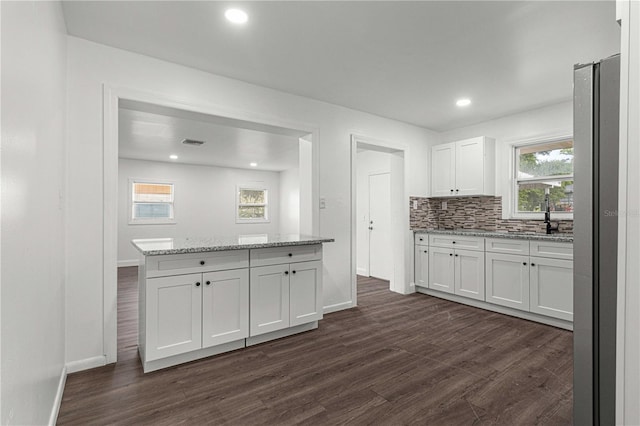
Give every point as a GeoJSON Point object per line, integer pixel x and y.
{"type": "Point", "coordinates": [192, 142]}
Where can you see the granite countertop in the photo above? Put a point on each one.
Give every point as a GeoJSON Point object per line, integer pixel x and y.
{"type": "Point", "coordinates": [161, 246]}
{"type": "Point", "coordinates": [565, 238]}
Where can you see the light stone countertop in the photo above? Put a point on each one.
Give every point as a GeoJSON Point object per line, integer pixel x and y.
{"type": "Point", "coordinates": [162, 246]}
{"type": "Point", "coordinates": [561, 238]}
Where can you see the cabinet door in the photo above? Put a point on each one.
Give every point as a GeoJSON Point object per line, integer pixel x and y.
{"type": "Point", "coordinates": [507, 282]}
{"type": "Point", "coordinates": [173, 315]}
{"type": "Point", "coordinates": [552, 287]}
{"type": "Point", "coordinates": [441, 269]}
{"type": "Point", "coordinates": [469, 273]}
{"type": "Point", "coordinates": [443, 167]}
{"type": "Point", "coordinates": [305, 303]}
{"type": "Point", "coordinates": [225, 306]}
{"type": "Point", "coordinates": [422, 266]}
{"type": "Point", "coordinates": [268, 299]}
{"type": "Point", "coordinates": [469, 176]}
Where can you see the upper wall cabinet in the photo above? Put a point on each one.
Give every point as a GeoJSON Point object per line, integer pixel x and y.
{"type": "Point", "coordinates": [463, 168]}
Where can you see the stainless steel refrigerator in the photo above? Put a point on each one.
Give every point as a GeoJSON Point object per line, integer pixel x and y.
{"type": "Point", "coordinates": [596, 140]}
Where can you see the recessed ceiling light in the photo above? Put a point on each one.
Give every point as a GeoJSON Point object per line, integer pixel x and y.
{"type": "Point", "coordinates": [236, 16]}
{"type": "Point", "coordinates": [463, 102]}
{"type": "Point", "coordinates": [253, 164]}
{"type": "Point", "coordinates": [173, 157]}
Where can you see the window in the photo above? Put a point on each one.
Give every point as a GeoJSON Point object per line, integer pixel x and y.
{"type": "Point", "coordinates": [544, 168]}
{"type": "Point", "coordinates": [151, 202]}
{"type": "Point", "coordinates": [253, 205]}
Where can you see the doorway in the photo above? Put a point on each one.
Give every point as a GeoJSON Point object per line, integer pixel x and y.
{"type": "Point", "coordinates": [380, 228]}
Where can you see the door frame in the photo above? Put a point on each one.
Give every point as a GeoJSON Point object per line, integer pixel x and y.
{"type": "Point", "coordinates": [111, 95]}
{"type": "Point", "coordinates": [401, 235]}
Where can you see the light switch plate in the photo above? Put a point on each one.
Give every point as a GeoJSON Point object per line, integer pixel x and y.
{"type": "Point", "coordinates": [323, 203]}
{"type": "Point", "coordinates": [444, 205]}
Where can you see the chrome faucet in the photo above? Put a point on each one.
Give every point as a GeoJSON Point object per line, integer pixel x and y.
{"type": "Point", "coordinates": [547, 214]}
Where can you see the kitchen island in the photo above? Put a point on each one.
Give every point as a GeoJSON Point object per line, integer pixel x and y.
{"type": "Point", "coordinates": [200, 297]}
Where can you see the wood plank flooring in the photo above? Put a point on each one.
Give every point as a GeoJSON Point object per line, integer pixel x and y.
{"type": "Point", "coordinates": [392, 360]}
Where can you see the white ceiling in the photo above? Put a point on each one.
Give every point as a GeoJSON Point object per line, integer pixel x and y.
{"type": "Point", "coordinates": [408, 61]}
{"type": "Point", "coordinates": [149, 132]}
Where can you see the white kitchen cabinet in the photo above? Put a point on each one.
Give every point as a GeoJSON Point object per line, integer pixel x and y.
{"type": "Point", "coordinates": [507, 280]}
{"type": "Point", "coordinates": [441, 270]}
{"type": "Point", "coordinates": [173, 315]}
{"type": "Point", "coordinates": [469, 273]}
{"type": "Point", "coordinates": [421, 259]}
{"type": "Point", "coordinates": [551, 287]}
{"type": "Point", "coordinates": [225, 306]}
{"type": "Point", "coordinates": [283, 296]}
{"type": "Point", "coordinates": [463, 168]}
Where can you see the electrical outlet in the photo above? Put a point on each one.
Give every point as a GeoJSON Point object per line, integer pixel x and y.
{"type": "Point", "coordinates": [415, 204]}
{"type": "Point", "coordinates": [444, 205]}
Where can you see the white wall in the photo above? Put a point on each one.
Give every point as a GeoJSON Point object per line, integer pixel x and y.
{"type": "Point", "coordinates": [204, 202]}
{"type": "Point", "coordinates": [33, 156]}
{"type": "Point", "coordinates": [548, 122]}
{"type": "Point", "coordinates": [368, 162]}
{"type": "Point", "coordinates": [91, 65]}
{"type": "Point", "coordinates": [290, 201]}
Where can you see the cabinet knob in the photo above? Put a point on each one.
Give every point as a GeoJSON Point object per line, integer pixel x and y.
{"type": "Point", "coordinates": [451, 190]}
{"type": "Point", "coordinates": [198, 284]}
{"type": "Point", "coordinates": [420, 239]}
{"type": "Point", "coordinates": [202, 262]}
{"type": "Point", "coordinates": [293, 272]}
{"type": "Point", "coordinates": [290, 254]}
{"type": "Point", "coordinates": [533, 264]}
{"type": "Point", "coordinates": [450, 254]}
{"type": "Point", "coordinates": [425, 251]}
{"type": "Point", "coordinates": [286, 272]}
{"type": "Point", "coordinates": [456, 255]}
{"type": "Point", "coordinates": [208, 283]}
{"type": "Point", "coordinates": [453, 242]}
{"type": "Point", "coordinates": [457, 190]}
{"type": "Point", "coordinates": [524, 263]}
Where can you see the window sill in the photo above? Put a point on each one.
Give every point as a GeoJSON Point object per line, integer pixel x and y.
{"type": "Point", "coordinates": [245, 221]}
{"type": "Point", "coordinates": [152, 222]}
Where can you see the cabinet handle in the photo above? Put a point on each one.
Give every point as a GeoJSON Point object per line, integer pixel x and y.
{"type": "Point", "coordinates": [533, 264]}
{"type": "Point", "coordinates": [208, 282]}
{"type": "Point", "coordinates": [293, 272]}
{"type": "Point", "coordinates": [198, 284]}
{"type": "Point", "coordinates": [524, 263]}
{"type": "Point", "coordinates": [286, 272]}
{"type": "Point", "coordinates": [290, 254]}
{"type": "Point", "coordinates": [202, 262]}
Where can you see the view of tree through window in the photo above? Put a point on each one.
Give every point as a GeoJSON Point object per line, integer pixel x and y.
{"type": "Point", "coordinates": [252, 204]}
{"type": "Point", "coordinates": [545, 167]}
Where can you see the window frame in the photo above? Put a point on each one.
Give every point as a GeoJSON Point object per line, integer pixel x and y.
{"type": "Point", "coordinates": [152, 221]}
{"type": "Point", "coordinates": [238, 204]}
{"type": "Point", "coordinates": [515, 181]}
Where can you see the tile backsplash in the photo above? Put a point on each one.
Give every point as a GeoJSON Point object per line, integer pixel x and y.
{"type": "Point", "coordinates": [473, 213]}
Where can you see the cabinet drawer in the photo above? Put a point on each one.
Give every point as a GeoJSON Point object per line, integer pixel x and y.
{"type": "Point", "coordinates": [178, 264]}
{"type": "Point", "coordinates": [457, 241]}
{"type": "Point", "coordinates": [507, 246]}
{"type": "Point", "coordinates": [281, 255]}
{"type": "Point", "coordinates": [422, 239]}
{"type": "Point", "coordinates": [552, 249]}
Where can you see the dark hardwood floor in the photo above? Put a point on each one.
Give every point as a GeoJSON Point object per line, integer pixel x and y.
{"type": "Point", "coordinates": [392, 360]}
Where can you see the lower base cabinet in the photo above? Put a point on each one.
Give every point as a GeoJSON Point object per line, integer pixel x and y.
{"type": "Point", "coordinates": [284, 296]}
{"type": "Point", "coordinates": [457, 271]}
{"type": "Point", "coordinates": [195, 311]}
{"type": "Point", "coordinates": [551, 287]}
{"type": "Point", "coordinates": [508, 280]}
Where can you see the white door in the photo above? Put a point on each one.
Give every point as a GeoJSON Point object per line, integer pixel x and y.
{"type": "Point", "coordinates": [552, 287]}
{"type": "Point", "coordinates": [305, 292]}
{"type": "Point", "coordinates": [469, 273]}
{"type": "Point", "coordinates": [268, 299]}
{"type": "Point", "coordinates": [380, 256]}
{"type": "Point", "coordinates": [422, 266]}
{"type": "Point", "coordinates": [443, 166]}
{"type": "Point", "coordinates": [173, 321]}
{"type": "Point", "coordinates": [225, 306]}
{"type": "Point", "coordinates": [508, 280]}
{"type": "Point", "coordinates": [441, 269]}
{"type": "Point", "coordinates": [469, 167]}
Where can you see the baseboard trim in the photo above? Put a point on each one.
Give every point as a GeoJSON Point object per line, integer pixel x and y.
{"type": "Point", "coordinates": [567, 325]}
{"type": "Point", "coordinates": [131, 262]}
{"type": "Point", "coordinates": [362, 271]}
{"type": "Point", "coordinates": [338, 307]}
{"type": "Point", "coordinates": [86, 364]}
{"type": "Point", "coordinates": [53, 418]}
